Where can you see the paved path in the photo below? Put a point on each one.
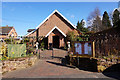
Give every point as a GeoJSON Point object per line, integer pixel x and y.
{"type": "Point", "coordinates": [52, 68]}
{"type": "Point", "coordinates": [49, 68]}
{"type": "Point", "coordinates": [57, 53]}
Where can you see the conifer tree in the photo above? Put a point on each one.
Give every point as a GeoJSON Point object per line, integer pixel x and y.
{"type": "Point", "coordinates": [106, 23]}
{"type": "Point", "coordinates": [80, 26]}
{"type": "Point", "coordinates": [115, 18]}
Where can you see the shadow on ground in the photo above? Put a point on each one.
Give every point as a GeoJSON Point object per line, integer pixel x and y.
{"type": "Point", "coordinates": [55, 57]}
{"type": "Point", "coordinates": [113, 71]}
{"type": "Point", "coordinates": [63, 62]}
{"type": "Point", "coordinates": [85, 64]}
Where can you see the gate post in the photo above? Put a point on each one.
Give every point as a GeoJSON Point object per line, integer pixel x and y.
{"type": "Point", "coordinates": [68, 46]}
{"type": "Point", "coordinates": [93, 45]}
{"type": "Point", "coordinates": [38, 54]}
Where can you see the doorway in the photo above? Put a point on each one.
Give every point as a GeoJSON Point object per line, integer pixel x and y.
{"type": "Point", "coordinates": [55, 41]}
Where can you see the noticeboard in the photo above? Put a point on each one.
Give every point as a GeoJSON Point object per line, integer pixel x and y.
{"type": "Point", "coordinates": [83, 48]}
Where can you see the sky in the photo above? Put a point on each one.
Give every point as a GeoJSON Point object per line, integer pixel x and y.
{"type": "Point", "coordinates": [28, 15]}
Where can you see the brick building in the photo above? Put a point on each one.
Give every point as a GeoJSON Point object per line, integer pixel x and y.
{"type": "Point", "coordinates": [7, 31]}
{"type": "Point", "coordinates": [54, 28]}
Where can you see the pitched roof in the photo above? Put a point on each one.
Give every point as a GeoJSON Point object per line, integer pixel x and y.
{"type": "Point", "coordinates": [58, 30]}
{"type": "Point", "coordinates": [5, 30]}
{"type": "Point", "coordinates": [55, 11]}
{"type": "Point", "coordinates": [29, 30]}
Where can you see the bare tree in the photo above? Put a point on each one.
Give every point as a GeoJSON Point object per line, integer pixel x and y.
{"type": "Point", "coordinates": [111, 16]}
{"type": "Point", "coordinates": [94, 14]}
{"type": "Point", "coordinates": [94, 20]}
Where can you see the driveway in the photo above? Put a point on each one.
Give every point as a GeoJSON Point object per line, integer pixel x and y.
{"type": "Point", "coordinates": [52, 68]}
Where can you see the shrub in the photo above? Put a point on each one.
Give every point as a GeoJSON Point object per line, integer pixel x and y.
{"type": "Point", "coordinates": [42, 45]}
{"type": "Point", "coordinates": [79, 39]}
{"type": "Point", "coordinates": [8, 41]}
{"type": "Point", "coordinates": [3, 50]}
{"type": "Point", "coordinates": [25, 40]}
{"type": "Point", "coordinates": [71, 36]}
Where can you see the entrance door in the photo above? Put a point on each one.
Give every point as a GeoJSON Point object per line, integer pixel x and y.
{"type": "Point", "coordinates": [55, 41]}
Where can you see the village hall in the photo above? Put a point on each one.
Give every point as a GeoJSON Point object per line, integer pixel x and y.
{"type": "Point", "coordinates": [54, 28]}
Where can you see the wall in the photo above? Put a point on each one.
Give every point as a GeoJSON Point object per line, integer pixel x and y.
{"type": "Point", "coordinates": [54, 20]}
{"type": "Point", "coordinates": [3, 36]}
{"type": "Point", "coordinates": [56, 33]}
{"type": "Point", "coordinates": [13, 64]}
{"type": "Point", "coordinates": [32, 35]}
{"type": "Point", "coordinates": [0, 70]}
{"type": "Point", "coordinates": [106, 64]}
{"type": "Point", "coordinates": [12, 32]}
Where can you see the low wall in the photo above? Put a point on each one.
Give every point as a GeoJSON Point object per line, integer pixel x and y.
{"type": "Point", "coordinates": [13, 64]}
{"type": "Point", "coordinates": [108, 64]}
{"type": "Point", "coordinates": [93, 64]}
{"type": "Point", "coordinates": [0, 70]}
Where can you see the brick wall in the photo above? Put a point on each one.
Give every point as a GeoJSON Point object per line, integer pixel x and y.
{"type": "Point", "coordinates": [12, 32]}
{"type": "Point", "coordinates": [53, 21]}
{"type": "Point", "coordinates": [48, 25]}
{"type": "Point", "coordinates": [61, 38]}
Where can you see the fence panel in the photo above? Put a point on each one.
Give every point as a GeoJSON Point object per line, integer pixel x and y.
{"type": "Point", "coordinates": [16, 50]}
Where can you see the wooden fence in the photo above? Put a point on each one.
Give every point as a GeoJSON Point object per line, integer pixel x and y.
{"type": "Point", "coordinates": [107, 42]}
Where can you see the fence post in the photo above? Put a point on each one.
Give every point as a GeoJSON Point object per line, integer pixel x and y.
{"type": "Point", "coordinates": [52, 51]}
{"type": "Point", "coordinates": [78, 60]}
{"type": "Point", "coordinates": [93, 45]}
{"type": "Point", "coordinates": [39, 53]}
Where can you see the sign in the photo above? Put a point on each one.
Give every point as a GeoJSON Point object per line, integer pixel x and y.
{"type": "Point", "coordinates": [89, 49]}
{"type": "Point", "coordinates": [78, 49]}
{"type": "Point", "coordinates": [82, 48]}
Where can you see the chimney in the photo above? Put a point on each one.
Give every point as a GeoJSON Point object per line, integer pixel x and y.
{"type": "Point", "coordinates": [6, 25]}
